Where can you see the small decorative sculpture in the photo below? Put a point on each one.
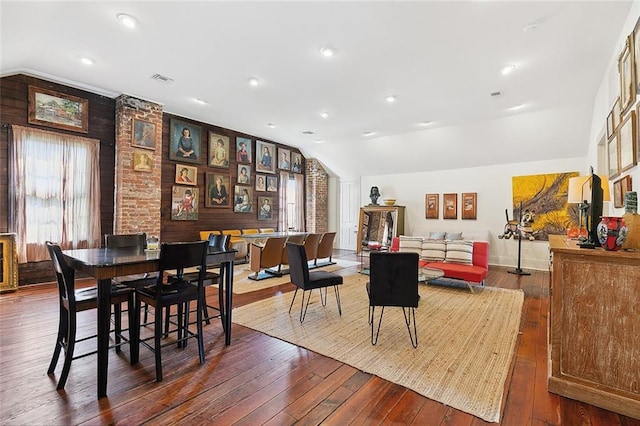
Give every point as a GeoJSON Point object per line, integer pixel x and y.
{"type": "Point", "coordinates": [374, 195]}
{"type": "Point", "coordinates": [520, 229]}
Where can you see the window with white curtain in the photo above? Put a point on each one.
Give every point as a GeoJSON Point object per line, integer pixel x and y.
{"type": "Point", "coordinates": [291, 202]}
{"type": "Point", "coordinates": [54, 191]}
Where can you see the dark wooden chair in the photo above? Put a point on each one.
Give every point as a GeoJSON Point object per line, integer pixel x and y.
{"type": "Point", "coordinates": [325, 249]}
{"type": "Point", "coordinates": [73, 301]}
{"type": "Point", "coordinates": [308, 281]}
{"type": "Point", "coordinates": [296, 239]}
{"type": "Point", "coordinates": [175, 256]}
{"type": "Point", "coordinates": [394, 282]}
{"type": "Point", "coordinates": [311, 247]}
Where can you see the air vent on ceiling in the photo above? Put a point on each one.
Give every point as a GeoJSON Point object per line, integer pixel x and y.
{"type": "Point", "coordinates": [308, 132]}
{"type": "Point", "coordinates": [496, 94]}
{"type": "Point", "coordinates": [162, 78]}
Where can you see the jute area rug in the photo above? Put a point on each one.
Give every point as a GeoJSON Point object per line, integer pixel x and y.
{"type": "Point", "coordinates": [465, 341]}
{"type": "Point", "coordinates": [242, 283]}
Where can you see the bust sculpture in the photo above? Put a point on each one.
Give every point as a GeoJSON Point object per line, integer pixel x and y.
{"type": "Point", "coordinates": [374, 195]}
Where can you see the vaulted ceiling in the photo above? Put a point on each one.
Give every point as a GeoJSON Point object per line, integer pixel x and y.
{"type": "Point", "coordinates": [441, 60]}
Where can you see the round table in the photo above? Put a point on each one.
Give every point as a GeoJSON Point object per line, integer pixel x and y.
{"type": "Point", "coordinates": [426, 274]}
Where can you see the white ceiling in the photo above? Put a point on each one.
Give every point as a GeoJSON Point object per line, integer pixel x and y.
{"type": "Point", "coordinates": [441, 59]}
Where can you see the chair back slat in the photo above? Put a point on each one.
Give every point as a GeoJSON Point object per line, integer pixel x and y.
{"type": "Point", "coordinates": [125, 240]}
{"type": "Point", "coordinates": [182, 255]}
{"type": "Point", "coordinates": [65, 275]}
{"type": "Point", "coordinates": [298, 266]}
{"type": "Point", "coordinates": [221, 242]}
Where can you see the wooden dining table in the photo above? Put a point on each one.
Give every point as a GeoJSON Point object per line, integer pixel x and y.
{"type": "Point", "coordinates": [106, 263]}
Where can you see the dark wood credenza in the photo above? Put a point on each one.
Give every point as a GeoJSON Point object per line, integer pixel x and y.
{"type": "Point", "coordinates": [594, 326]}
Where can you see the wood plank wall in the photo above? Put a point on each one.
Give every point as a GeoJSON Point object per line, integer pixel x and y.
{"type": "Point", "coordinates": [14, 92]}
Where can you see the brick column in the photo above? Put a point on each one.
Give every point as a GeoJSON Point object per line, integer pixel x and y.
{"type": "Point", "coordinates": [317, 190]}
{"type": "Point", "coordinates": [137, 193]}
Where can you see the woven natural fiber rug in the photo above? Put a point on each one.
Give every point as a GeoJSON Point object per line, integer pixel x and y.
{"type": "Point", "coordinates": [465, 341]}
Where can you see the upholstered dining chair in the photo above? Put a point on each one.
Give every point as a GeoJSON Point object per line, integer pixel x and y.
{"type": "Point", "coordinates": [309, 281]}
{"type": "Point", "coordinates": [393, 282]}
{"type": "Point", "coordinates": [265, 257]}
{"type": "Point", "coordinates": [175, 256]}
{"type": "Point", "coordinates": [71, 302]}
{"type": "Point", "coordinates": [219, 242]}
{"type": "Point", "coordinates": [325, 249]}
{"type": "Point", "coordinates": [311, 247]}
{"type": "Point", "coordinates": [296, 239]}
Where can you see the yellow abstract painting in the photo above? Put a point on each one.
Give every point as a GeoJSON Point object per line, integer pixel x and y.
{"type": "Point", "coordinates": [544, 198]}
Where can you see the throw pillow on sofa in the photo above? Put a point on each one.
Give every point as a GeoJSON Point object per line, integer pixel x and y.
{"type": "Point", "coordinates": [437, 235]}
{"type": "Point", "coordinates": [451, 236]}
{"type": "Point", "coordinates": [459, 251]}
{"type": "Point", "coordinates": [411, 244]}
{"type": "Point", "coordinates": [433, 250]}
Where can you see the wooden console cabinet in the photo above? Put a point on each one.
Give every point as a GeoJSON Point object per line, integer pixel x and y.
{"type": "Point", "coordinates": [594, 326]}
{"type": "Point", "coordinates": [8, 263]}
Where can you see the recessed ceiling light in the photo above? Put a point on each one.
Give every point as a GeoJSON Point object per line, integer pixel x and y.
{"type": "Point", "coordinates": [425, 123]}
{"type": "Point", "coordinates": [368, 133]}
{"type": "Point", "coordinates": [319, 141]}
{"type": "Point", "coordinates": [516, 107]}
{"type": "Point", "coordinates": [85, 60]}
{"type": "Point", "coordinates": [324, 115]}
{"type": "Point", "coordinates": [507, 69]}
{"type": "Point", "coordinates": [391, 98]}
{"type": "Point", "coordinates": [327, 51]}
{"type": "Point", "coordinates": [253, 81]}
{"type": "Point", "coordinates": [531, 27]}
{"type": "Point", "coordinates": [273, 126]}
{"type": "Point", "coordinates": [201, 101]}
{"type": "Point", "coordinates": [127, 20]}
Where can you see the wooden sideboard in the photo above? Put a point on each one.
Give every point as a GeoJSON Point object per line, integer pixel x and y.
{"type": "Point", "coordinates": [8, 263]}
{"type": "Point", "coordinates": [594, 326]}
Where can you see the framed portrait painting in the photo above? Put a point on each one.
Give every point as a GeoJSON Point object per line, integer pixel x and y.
{"type": "Point", "coordinates": [218, 150]}
{"type": "Point", "coordinates": [261, 183]}
{"type": "Point", "coordinates": [243, 199]}
{"type": "Point", "coordinates": [217, 190]}
{"type": "Point", "coordinates": [449, 206]}
{"type": "Point", "coordinates": [627, 136]}
{"type": "Point", "coordinates": [296, 162]}
{"type": "Point", "coordinates": [243, 150]}
{"type": "Point", "coordinates": [244, 174]}
{"type": "Point", "coordinates": [621, 187]}
{"type": "Point", "coordinates": [636, 53]}
{"type": "Point", "coordinates": [186, 175]}
{"type": "Point", "coordinates": [142, 161]}
{"type": "Point", "coordinates": [184, 142]}
{"type": "Point", "coordinates": [432, 206]}
{"type": "Point", "coordinates": [272, 184]}
{"type": "Point", "coordinates": [613, 119]}
{"type": "Point", "coordinates": [184, 203]}
{"type": "Point", "coordinates": [627, 76]}
{"type": "Point", "coordinates": [614, 160]}
{"type": "Point", "coordinates": [265, 209]}
{"type": "Point", "coordinates": [144, 134]}
{"type": "Point", "coordinates": [469, 205]}
{"type": "Point", "coordinates": [58, 110]}
{"type": "Point", "coordinates": [265, 161]}
{"type": "Point", "coordinates": [284, 159]}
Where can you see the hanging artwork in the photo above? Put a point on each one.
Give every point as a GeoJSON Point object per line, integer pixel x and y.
{"type": "Point", "coordinates": [184, 203]}
{"type": "Point", "coordinates": [544, 201]}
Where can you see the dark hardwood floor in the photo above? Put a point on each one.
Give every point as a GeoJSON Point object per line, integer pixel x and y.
{"type": "Point", "coordinates": [255, 380]}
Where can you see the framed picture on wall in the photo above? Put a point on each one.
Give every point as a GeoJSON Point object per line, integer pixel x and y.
{"type": "Point", "coordinates": [614, 161]}
{"type": "Point", "coordinates": [272, 184]}
{"type": "Point", "coordinates": [186, 175]}
{"type": "Point", "coordinates": [244, 174]}
{"type": "Point", "coordinates": [636, 53]}
{"type": "Point", "coordinates": [469, 207]}
{"type": "Point", "coordinates": [284, 159]}
{"type": "Point", "coordinates": [627, 135]}
{"type": "Point", "coordinates": [184, 203]}
{"type": "Point", "coordinates": [218, 150]}
{"type": "Point", "coordinates": [261, 183]}
{"type": "Point", "coordinates": [296, 162]}
{"type": "Point", "coordinates": [265, 161]}
{"type": "Point", "coordinates": [242, 199]}
{"type": "Point", "coordinates": [144, 134]}
{"type": "Point", "coordinates": [142, 161]}
{"type": "Point", "coordinates": [54, 109]}
{"type": "Point", "coordinates": [627, 76]}
{"type": "Point", "coordinates": [184, 141]}
{"type": "Point", "coordinates": [621, 187]}
{"type": "Point", "coordinates": [217, 187]}
{"type": "Point", "coordinates": [243, 150]}
{"type": "Point", "coordinates": [265, 209]}
{"type": "Point", "coordinates": [432, 206]}
{"type": "Point", "coordinates": [449, 206]}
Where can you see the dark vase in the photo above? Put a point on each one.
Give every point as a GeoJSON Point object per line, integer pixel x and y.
{"type": "Point", "coordinates": [612, 232]}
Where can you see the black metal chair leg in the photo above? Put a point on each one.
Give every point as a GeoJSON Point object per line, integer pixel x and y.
{"type": "Point", "coordinates": [303, 313]}
{"type": "Point", "coordinates": [156, 343]}
{"type": "Point", "coordinates": [407, 320]}
{"type": "Point", "coordinates": [323, 296]}
{"type": "Point", "coordinates": [375, 340]}
{"type": "Point", "coordinates": [335, 288]}
{"type": "Point", "coordinates": [118, 325]}
{"type": "Point", "coordinates": [294, 299]}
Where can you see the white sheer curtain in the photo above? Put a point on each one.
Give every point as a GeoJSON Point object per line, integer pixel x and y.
{"type": "Point", "coordinates": [291, 202]}
{"type": "Point", "coordinates": [54, 191]}
{"type": "Point", "coordinates": [283, 222]}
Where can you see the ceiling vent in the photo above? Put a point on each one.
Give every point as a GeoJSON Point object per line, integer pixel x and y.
{"type": "Point", "coordinates": [162, 78]}
{"type": "Point", "coordinates": [308, 132]}
{"type": "Point", "coordinates": [496, 94]}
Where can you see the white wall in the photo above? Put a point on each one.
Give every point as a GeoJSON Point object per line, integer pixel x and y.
{"type": "Point", "coordinates": [493, 186]}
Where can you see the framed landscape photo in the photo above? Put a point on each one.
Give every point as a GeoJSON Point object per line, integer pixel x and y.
{"type": "Point", "coordinates": [265, 208]}
{"type": "Point", "coordinates": [627, 75]}
{"type": "Point", "coordinates": [296, 162]}
{"type": "Point", "coordinates": [144, 134]}
{"type": "Point", "coordinates": [243, 150]}
{"type": "Point", "coordinates": [243, 199]}
{"type": "Point", "coordinates": [432, 206]}
{"type": "Point", "coordinates": [186, 175]}
{"type": "Point", "coordinates": [614, 160]}
{"type": "Point", "coordinates": [54, 109]}
{"type": "Point", "coordinates": [627, 136]}
{"type": "Point", "coordinates": [184, 141]}
{"type": "Point", "coordinates": [449, 206]}
{"type": "Point", "coordinates": [469, 205]}
{"type": "Point", "coordinates": [218, 150]}
{"type": "Point", "coordinates": [184, 203]}
{"type": "Point", "coordinates": [284, 159]}
{"type": "Point", "coordinates": [265, 161]}
{"type": "Point", "coordinates": [142, 161]}
{"type": "Point", "coordinates": [217, 187]}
